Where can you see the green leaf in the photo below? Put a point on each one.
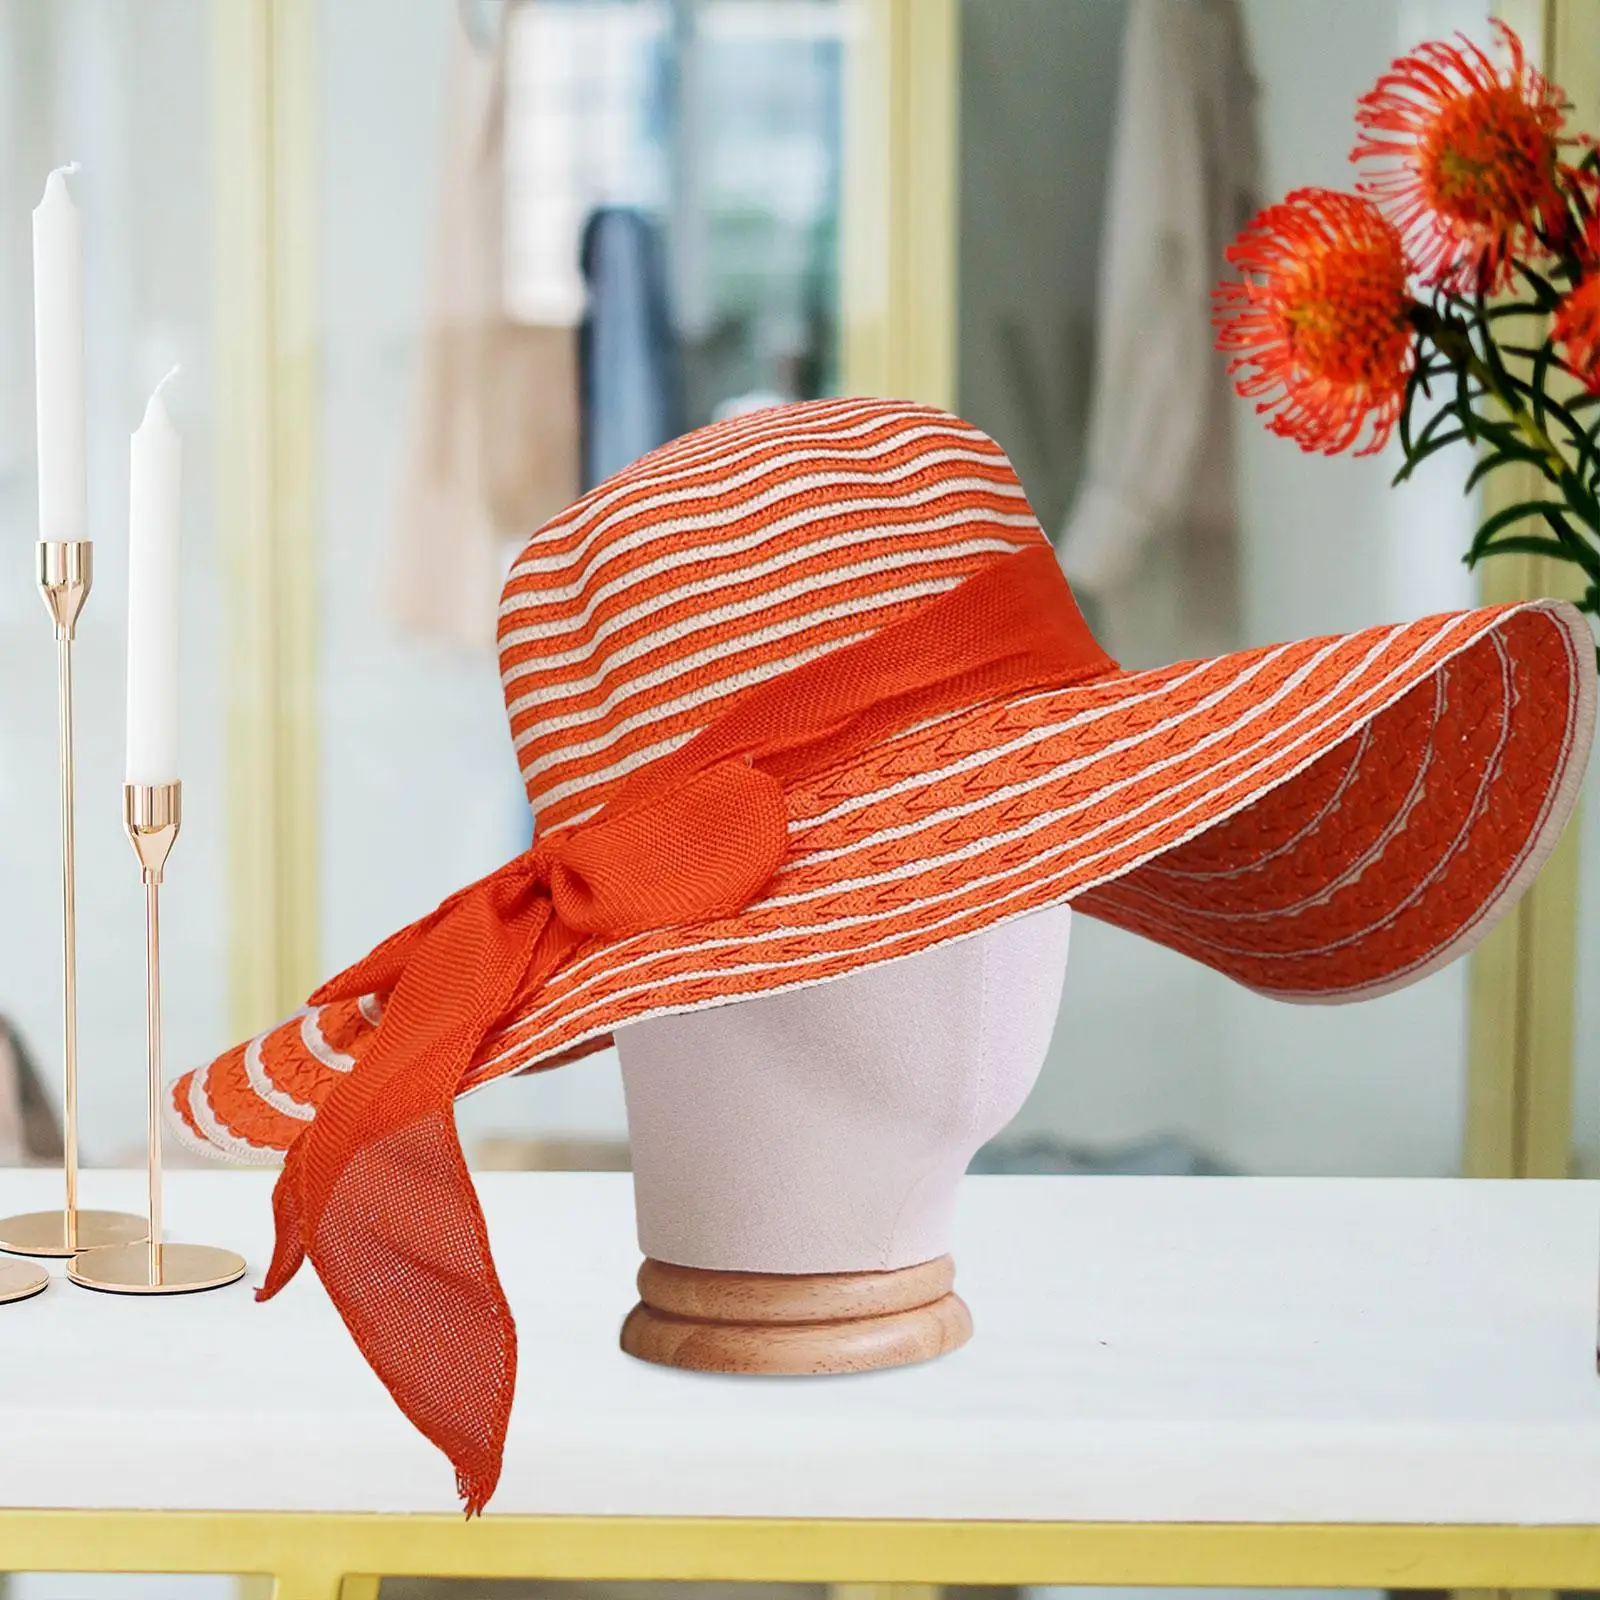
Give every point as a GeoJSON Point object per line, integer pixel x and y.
{"type": "Point", "coordinates": [1413, 383]}
{"type": "Point", "coordinates": [1541, 402]}
{"type": "Point", "coordinates": [1580, 503]}
{"type": "Point", "coordinates": [1502, 457]}
{"type": "Point", "coordinates": [1502, 435]}
{"type": "Point", "coordinates": [1532, 352]}
{"type": "Point", "coordinates": [1440, 441]}
{"type": "Point", "coordinates": [1521, 544]}
{"type": "Point", "coordinates": [1568, 545]}
{"type": "Point", "coordinates": [1546, 406]}
{"type": "Point", "coordinates": [1464, 410]}
{"type": "Point", "coordinates": [1445, 414]}
{"type": "Point", "coordinates": [1505, 518]}
{"type": "Point", "coordinates": [1510, 308]}
{"type": "Point", "coordinates": [1546, 296]}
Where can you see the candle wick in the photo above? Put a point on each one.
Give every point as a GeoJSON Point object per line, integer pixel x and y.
{"type": "Point", "coordinates": [56, 178]}
{"type": "Point", "coordinates": [166, 380]}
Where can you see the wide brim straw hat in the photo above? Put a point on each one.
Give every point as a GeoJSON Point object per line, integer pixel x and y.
{"type": "Point", "coordinates": [1321, 820]}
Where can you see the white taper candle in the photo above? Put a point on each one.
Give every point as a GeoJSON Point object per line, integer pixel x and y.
{"type": "Point", "coordinates": [58, 360]}
{"type": "Point", "coordinates": [154, 492]}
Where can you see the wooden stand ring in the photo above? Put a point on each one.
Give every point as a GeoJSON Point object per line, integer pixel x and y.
{"type": "Point", "coordinates": [795, 1324]}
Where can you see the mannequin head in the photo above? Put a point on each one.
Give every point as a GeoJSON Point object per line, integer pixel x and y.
{"type": "Point", "coordinates": [826, 1129]}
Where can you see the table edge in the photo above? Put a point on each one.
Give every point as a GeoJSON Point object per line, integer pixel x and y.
{"type": "Point", "coordinates": [329, 1546]}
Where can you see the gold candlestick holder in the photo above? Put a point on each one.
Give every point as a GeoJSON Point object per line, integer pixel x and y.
{"type": "Point", "coordinates": [65, 570]}
{"type": "Point", "coordinates": [151, 814]}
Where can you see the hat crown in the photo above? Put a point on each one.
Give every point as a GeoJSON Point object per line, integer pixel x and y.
{"type": "Point", "coordinates": [725, 558]}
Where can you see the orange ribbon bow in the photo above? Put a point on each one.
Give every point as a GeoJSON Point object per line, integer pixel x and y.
{"type": "Point", "coordinates": [376, 1190]}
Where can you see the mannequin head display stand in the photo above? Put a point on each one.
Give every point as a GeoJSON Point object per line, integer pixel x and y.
{"type": "Point", "coordinates": [820, 749]}
{"type": "Point", "coordinates": [796, 1157]}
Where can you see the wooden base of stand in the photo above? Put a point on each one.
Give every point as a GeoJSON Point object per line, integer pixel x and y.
{"type": "Point", "coordinates": [774, 1324]}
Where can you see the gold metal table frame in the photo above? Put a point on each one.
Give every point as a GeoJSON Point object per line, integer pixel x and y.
{"type": "Point", "coordinates": [325, 1556]}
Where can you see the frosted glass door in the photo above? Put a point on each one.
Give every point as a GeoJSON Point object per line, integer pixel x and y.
{"type": "Point", "coordinates": [1158, 1063]}
{"type": "Point", "coordinates": [492, 177]}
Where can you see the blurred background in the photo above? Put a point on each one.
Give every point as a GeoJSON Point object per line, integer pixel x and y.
{"type": "Point", "coordinates": [432, 268]}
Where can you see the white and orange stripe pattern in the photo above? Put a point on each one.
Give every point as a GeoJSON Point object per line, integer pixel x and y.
{"type": "Point", "coordinates": [725, 559]}
{"type": "Point", "coordinates": [1321, 820]}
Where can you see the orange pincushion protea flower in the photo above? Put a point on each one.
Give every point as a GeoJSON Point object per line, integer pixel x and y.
{"type": "Point", "coordinates": [1466, 158]}
{"type": "Point", "coordinates": [1575, 329]}
{"type": "Point", "coordinates": [1319, 324]}
{"type": "Point", "coordinates": [1575, 325]}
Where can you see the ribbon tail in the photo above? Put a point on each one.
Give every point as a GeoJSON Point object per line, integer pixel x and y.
{"type": "Point", "coordinates": [389, 1216]}
{"type": "Point", "coordinates": [446, 1347]}
{"type": "Point", "coordinates": [289, 1249]}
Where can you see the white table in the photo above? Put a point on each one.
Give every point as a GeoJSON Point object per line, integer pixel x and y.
{"type": "Point", "coordinates": [1386, 1384]}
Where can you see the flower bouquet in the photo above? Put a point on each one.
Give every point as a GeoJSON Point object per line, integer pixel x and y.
{"type": "Point", "coordinates": [1455, 296]}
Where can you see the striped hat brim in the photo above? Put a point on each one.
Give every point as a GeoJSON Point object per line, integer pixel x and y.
{"type": "Point", "coordinates": [1322, 821]}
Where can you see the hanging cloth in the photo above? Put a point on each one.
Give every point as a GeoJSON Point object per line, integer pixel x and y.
{"type": "Point", "coordinates": [631, 383]}
{"type": "Point", "coordinates": [1151, 540]}
{"type": "Point", "coordinates": [494, 451]}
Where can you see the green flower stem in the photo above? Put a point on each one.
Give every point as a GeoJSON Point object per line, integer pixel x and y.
{"type": "Point", "coordinates": [1454, 342]}
{"type": "Point", "coordinates": [1523, 420]}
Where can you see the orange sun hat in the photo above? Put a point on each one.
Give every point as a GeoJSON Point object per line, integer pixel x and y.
{"type": "Point", "coordinates": [803, 692]}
